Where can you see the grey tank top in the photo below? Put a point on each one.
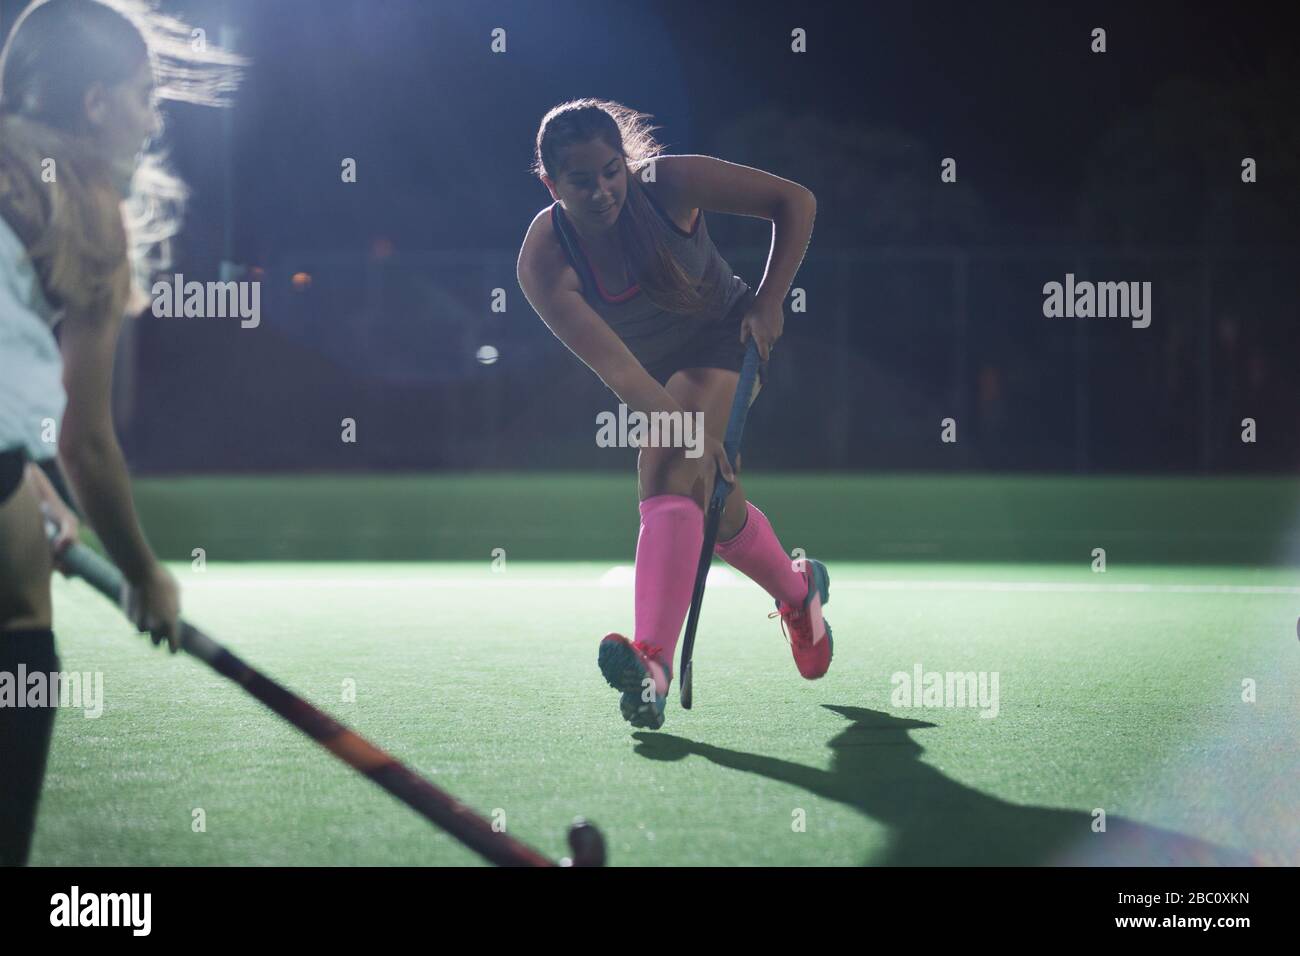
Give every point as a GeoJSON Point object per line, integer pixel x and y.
{"type": "Point", "coordinates": [651, 333]}
{"type": "Point", "coordinates": [31, 366]}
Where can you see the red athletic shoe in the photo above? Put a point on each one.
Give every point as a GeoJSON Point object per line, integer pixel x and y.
{"type": "Point", "coordinates": [639, 671]}
{"type": "Point", "coordinates": [808, 633]}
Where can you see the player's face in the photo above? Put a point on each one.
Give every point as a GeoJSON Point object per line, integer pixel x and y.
{"type": "Point", "coordinates": [129, 117]}
{"type": "Point", "coordinates": [593, 184]}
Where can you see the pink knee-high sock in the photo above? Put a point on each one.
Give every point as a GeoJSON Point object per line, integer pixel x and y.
{"type": "Point", "coordinates": [756, 552]}
{"type": "Point", "coordinates": [667, 552]}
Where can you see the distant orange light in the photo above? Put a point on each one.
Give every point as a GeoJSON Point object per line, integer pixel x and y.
{"type": "Point", "coordinates": [382, 247]}
{"type": "Point", "coordinates": [301, 280]}
{"type": "Point", "coordinates": [257, 272]}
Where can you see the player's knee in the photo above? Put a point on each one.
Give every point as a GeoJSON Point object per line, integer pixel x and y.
{"type": "Point", "coordinates": [25, 564]}
{"type": "Point", "coordinates": [733, 514]}
{"type": "Point", "coordinates": [666, 471]}
{"type": "Point", "coordinates": [25, 592]}
{"type": "Point", "coordinates": [25, 604]}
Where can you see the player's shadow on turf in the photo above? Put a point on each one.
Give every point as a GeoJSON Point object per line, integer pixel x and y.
{"type": "Point", "coordinates": [933, 819]}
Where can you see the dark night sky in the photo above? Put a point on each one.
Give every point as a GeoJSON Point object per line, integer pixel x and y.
{"type": "Point", "coordinates": [443, 128]}
{"type": "Point", "coordinates": [1057, 147]}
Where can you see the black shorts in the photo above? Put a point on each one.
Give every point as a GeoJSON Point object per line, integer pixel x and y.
{"type": "Point", "coordinates": [13, 462]}
{"type": "Point", "coordinates": [715, 345]}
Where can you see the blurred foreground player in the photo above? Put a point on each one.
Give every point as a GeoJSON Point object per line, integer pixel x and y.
{"type": "Point", "coordinates": [79, 84]}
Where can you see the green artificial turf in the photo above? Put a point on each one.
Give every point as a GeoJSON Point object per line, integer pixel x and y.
{"type": "Point", "coordinates": [549, 516]}
{"type": "Point", "coordinates": [1120, 691]}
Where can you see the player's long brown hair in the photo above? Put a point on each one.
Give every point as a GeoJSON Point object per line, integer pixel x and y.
{"type": "Point", "coordinates": [642, 231]}
{"type": "Point", "coordinates": [62, 199]}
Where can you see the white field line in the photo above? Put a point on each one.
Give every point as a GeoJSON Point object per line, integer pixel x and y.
{"type": "Point", "coordinates": [619, 578]}
{"type": "Point", "coordinates": [1064, 587]}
